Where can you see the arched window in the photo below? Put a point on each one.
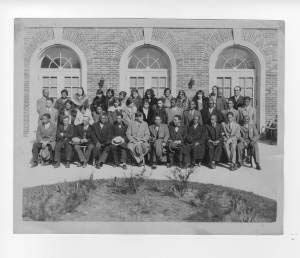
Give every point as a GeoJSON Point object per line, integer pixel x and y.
{"type": "Point", "coordinates": [236, 66]}
{"type": "Point", "coordinates": [60, 69]}
{"type": "Point", "coordinates": [148, 67]}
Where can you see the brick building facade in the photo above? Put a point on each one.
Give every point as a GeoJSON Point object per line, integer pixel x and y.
{"type": "Point", "coordinates": [209, 53]}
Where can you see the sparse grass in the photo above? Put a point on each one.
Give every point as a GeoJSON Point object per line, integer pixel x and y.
{"type": "Point", "coordinates": [136, 198]}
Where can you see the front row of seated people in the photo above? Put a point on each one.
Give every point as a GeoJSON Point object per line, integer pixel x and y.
{"type": "Point", "coordinates": [162, 143]}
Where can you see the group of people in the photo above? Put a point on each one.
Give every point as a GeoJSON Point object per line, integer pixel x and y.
{"type": "Point", "coordinates": [154, 130]}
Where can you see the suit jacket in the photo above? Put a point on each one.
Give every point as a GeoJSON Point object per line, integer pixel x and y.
{"type": "Point", "coordinates": [206, 115]}
{"type": "Point", "coordinates": [60, 104]}
{"type": "Point", "coordinates": [234, 131]}
{"type": "Point", "coordinates": [138, 131]}
{"type": "Point", "coordinates": [81, 133]}
{"type": "Point", "coordinates": [250, 133]}
{"type": "Point", "coordinates": [220, 102]}
{"type": "Point", "coordinates": [162, 133]}
{"type": "Point", "coordinates": [159, 112]}
{"type": "Point", "coordinates": [188, 117]}
{"type": "Point", "coordinates": [148, 119]}
{"type": "Point", "coordinates": [68, 133]}
{"type": "Point", "coordinates": [237, 103]}
{"type": "Point", "coordinates": [214, 133]}
{"type": "Point", "coordinates": [180, 135]}
{"type": "Point", "coordinates": [119, 130]}
{"type": "Point", "coordinates": [104, 135]}
{"type": "Point", "coordinates": [197, 134]}
{"type": "Point", "coordinates": [46, 134]}
{"type": "Point", "coordinates": [97, 101]}
{"type": "Point", "coordinates": [171, 112]}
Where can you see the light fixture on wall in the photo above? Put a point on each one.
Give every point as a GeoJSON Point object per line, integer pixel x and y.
{"type": "Point", "coordinates": [191, 83]}
{"type": "Point", "coordinates": [101, 82]}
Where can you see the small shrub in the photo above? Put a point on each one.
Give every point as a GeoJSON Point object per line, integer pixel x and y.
{"type": "Point", "coordinates": [179, 181]}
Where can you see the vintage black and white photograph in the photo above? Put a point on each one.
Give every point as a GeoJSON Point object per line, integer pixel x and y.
{"type": "Point", "coordinates": [170, 126]}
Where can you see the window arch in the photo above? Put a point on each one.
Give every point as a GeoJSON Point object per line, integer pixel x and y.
{"type": "Point", "coordinates": [148, 67]}
{"type": "Point", "coordinates": [60, 68]}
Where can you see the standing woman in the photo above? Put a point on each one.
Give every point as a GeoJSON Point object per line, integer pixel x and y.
{"type": "Point", "coordinates": [80, 99]}
{"type": "Point", "coordinates": [136, 98]}
{"type": "Point", "coordinates": [123, 98]}
{"type": "Point", "coordinates": [182, 101]}
{"type": "Point", "coordinates": [200, 100]}
{"type": "Point", "coordinates": [167, 97]}
{"type": "Point", "coordinates": [150, 97]}
{"type": "Point", "coordinates": [99, 100]}
{"type": "Point", "coordinates": [110, 94]}
{"type": "Point", "coordinates": [129, 112]}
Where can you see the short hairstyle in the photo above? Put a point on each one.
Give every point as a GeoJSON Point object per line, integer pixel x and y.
{"type": "Point", "coordinates": [83, 93]}
{"type": "Point", "coordinates": [247, 98]}
{"type": "Point", "coordinates": [178, 116]}
{"type": "Point", "coordinates": [51, 99]}
{"type": "Point", "coordinates": [85, 116]}
{"type": "Point", "coordinates": [138, 114]}
{"type": "Point", "coordinates": [118, 113]}
{"type": "Point", "coordinates": [157, 116]}
{"type": "Point", "coordinates": [104, 114]}
{"type": "Point", "coordinates": [214, 115]}
{"type": "Point", "coordinates": [146, 101]}
{"type": "Point", "coordinates": [134, 90]}
{"type": "Point", "coordinates": [238, 88]}
{"type": "Point", "coordinates": [111, 91]}
{"type": "Point", "coordinates": [73, 112]}
{"type": "Point", "coordinates": [116, 100]}
{"type": "Point", "coordinates": [65, 116]}
{"type": "Point", "coordinates": [215, 86]}
{"type": "Point", "coordinates": [160, 99]}
{"type": "Point", "coordinates": [69, 102]}
{"type": "Point", "coordinates": [230, 114]}
{"type": "Point", "coordinates": [167, 89]}
{"type": "Point", "coordinates": [173, 99]}
{"type": "Point", "coordinates": [47, 115]}
{"type": "Point", "coordinates": [124, 93]}
{"type": "Point", "coordinates": [230, 100]}
{"type": "Point", "coordinates": [64, 91]}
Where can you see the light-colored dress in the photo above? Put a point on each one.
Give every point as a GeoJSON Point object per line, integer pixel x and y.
{"type": "Point", "coordinates": [138, 136]}
{"type": "Point", "coordinates": [79, 117]}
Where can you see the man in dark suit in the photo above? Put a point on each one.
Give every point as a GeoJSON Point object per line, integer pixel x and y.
{"type": "Point", "coordinates": [215, 141]}
{"type": "Point", "coordinates": [64, 135]}
{"type": "Point", "coordinates": [238, 99]}
{"type": "Point", "coordinates": [219, 101]}
{"type": "Point", "coordinates": [211, 110]}
{"type": "Point", "coordinates": [191, 113]}
{"type": "Point", "coordinates": [102, 137]}
{"type": "Point", "coordinates": [119, 141]}
{"type": "Point", "coordinates": [159, 135]}
{"type": "Point", "coordinates": [177, 141]}
{"type": "Point", "coordinates": [83, 138]}
{"type": "Point", "coordinates": [196, 138]}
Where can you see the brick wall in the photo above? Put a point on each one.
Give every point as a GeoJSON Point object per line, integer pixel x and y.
{"type": "Point", "coordinates": [192, 48]}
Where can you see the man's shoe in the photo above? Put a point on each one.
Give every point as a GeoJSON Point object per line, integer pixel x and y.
{"type": "Point", "coordinates": [258, 167]}
{"type": "Point", "coordinates": [84, 165]}
{"type": "Point", "coordinates": [233, 167]}
{"type": "Point", "coordinates": [153, 166]}
{"type": "Point", "coordinates": [67, 165]}
{"type": "Point", "coordinates": [97, 165]}
{"type": "Point", "coordinates": [140, 164]}
{"type": "Point", "coordinates": [169, 165]}
{"type": "Point", "coordinates": [123, 165]}
{"type": "Point", "coordinates": [56, 165]}
{"type": "Point", "coordinates": [238, 165]}
{"type": "Point", "coordinates": [79, 165]}
{"type": "Point", "coordinates": [34, 164]}
{"type": "Point", "coordinates": [213, 165]}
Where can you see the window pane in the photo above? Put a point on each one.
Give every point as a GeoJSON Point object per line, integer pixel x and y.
{"type": "Point", "coordinates": [227, 93]}
{"type": "Point", "coordinates": [133, 82]}
{"type": "Point", "coordinates": [154, 82]}
{"type": "Point", "coordinates": [162, 82]}
{"type": "Point", "coordinates": [140, 82]}
{"type": "Point", "coordinates": [220, 82]}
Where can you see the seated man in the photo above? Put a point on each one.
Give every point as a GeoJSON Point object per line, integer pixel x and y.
{"type": "Point", "coordinates": [196, 138]}
{"type": "Point", "coordinates": [102, 137]}
{"type": "Point", "coordinates": [215, 141]}
{"type": "Point", "coordinates": [138, 136]}
{"type": "Point", "coordinates": [211, 110]}
{"type": "Point", "coordinates": [159, 135]}
{"type": "Point", "coordinates": [64, 135]}
{"type": "Point", "coordinates": [119, 141]}
{"type": "Point", "coordinates": [248, 141]}
{"type": "Point", "coordinates": [83, 136]}
{"type": "Point", "coordinates": [232, 134]}
{"type": "Point", "coordinates": [176, 143]}
{"type": "Point", "coordinates": [188, 115]}
{"type": "Point", "coordinates": [45, 138]}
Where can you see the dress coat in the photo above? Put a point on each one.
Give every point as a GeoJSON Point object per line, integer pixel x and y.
{"type": "Point", "coordinates": [214, 134]}
{"type": "Point", "coordinates": [120, 130]}
{"type": "Point", "coordinates": [68, 133]}
{"type": "Point", "coordinates": [157, 138]}
{"type": "Point", "coordinates": [220, 102]}
{"type": "Point", "coordinates": [237, 102]}
{"type": "Point", "coordinates": [138, 136]}
{"type": "Point", "coordinates": [81, 133]}
{"type": "Point", "coordinates": [196, 139]}
{"type": "Point", "coordinates": [46, 134]}
{"type": "Point", "coordinates": [102, 135]}
{"type": "Point", "coordinates": [159, 112]}
{"type": "Point", "coordinates": [147, 117]}
{"type": "Point", "coordinates": [206, 114]}
{"type": "Point", "coordinates": [188, 116]}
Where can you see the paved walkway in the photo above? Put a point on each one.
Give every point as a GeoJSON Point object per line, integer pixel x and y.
{"type": "Point", "coordinates": [264, 182]}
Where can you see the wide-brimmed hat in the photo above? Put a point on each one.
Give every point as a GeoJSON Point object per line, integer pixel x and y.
{"type": "Point", "coordinates": [117, 140]}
